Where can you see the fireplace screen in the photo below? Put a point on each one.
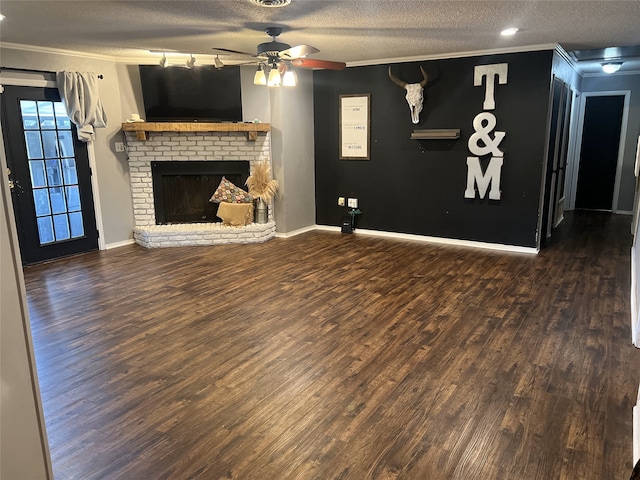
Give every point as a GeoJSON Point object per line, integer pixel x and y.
{"type": "Point", "coordinates": [182, 189]}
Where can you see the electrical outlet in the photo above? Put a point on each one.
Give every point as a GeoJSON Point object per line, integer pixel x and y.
{"type": "Point", "coordinates": [341, 201]}
{"type": "Point", "coordinates": [352, 203]}
{"type": "Point", "coordinates": [120, 147]}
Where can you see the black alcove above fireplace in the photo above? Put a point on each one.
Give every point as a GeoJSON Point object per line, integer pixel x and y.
{"type": "Point", "coordinates": [182, 189]}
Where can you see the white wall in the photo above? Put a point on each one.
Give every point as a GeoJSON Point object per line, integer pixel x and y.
{"type": "Point", "coordinates": [292, 154]}
{"type": "Point", "coordinates": [255, 98]}
{"type": "Point", "coordinates": [24, 453]}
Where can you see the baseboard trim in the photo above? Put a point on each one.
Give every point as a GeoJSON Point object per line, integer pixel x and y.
{"type": "Point", "coordinates": [438, 240]}
{"type": "Point", "coordinates": [293, 233]}
{"type": "Point", "coordinates": [328, 228]}
{"type": "Point", "coordinates": [634, 299]}
{"type": "Point", "coordinates": [109, 246]}
{"type": "Point", "coordinates": [636, 432]}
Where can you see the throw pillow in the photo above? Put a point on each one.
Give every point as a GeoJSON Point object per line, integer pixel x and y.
{"type": "Point", "coordinates": [228, 192]}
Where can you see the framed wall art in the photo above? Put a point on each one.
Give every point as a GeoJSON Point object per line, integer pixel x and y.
{"type": "Point", "coordinates": [354, 127]}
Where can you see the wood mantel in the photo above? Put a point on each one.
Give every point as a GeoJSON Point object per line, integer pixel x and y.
{"type": "Point", "coordinates": [142, 129]}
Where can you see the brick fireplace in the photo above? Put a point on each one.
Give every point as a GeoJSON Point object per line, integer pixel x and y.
{"type": "Point", "coordinates": [175, 146]}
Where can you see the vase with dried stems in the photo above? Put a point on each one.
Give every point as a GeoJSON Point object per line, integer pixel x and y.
{"type": "Point", "coordinates": [263, 188]}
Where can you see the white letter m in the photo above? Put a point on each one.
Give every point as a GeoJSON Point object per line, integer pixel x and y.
{"type": "Point", "coordinates": [491, 176]}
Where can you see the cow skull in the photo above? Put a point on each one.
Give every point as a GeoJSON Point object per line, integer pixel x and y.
{"type": "Point", "coordinates": [414, 93]}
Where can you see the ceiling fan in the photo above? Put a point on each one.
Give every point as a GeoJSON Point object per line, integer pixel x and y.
{"type": "Point", "coordinates": [275, 55]}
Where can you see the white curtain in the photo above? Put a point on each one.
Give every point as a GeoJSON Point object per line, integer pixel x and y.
{"type": "Point", "coordinates": [79, 92]}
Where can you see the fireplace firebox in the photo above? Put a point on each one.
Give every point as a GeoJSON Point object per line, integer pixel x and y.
{"type": "Point", "coordinates": [182, 189]}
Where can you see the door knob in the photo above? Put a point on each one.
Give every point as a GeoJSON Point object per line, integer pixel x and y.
{"type": "Point", "coordinates": [14, 184]}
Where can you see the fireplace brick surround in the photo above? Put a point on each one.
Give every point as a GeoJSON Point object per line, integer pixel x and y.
{"type": "Point", "coordinates": [184, 146]}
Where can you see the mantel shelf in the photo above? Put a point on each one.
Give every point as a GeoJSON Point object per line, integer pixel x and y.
{"type": "Point", "coordinates": [436, 134]}
{"type": "Point", "coordinates": [142, 129]}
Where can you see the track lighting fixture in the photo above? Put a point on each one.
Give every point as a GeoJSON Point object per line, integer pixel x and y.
{"type": "Point", "coordinates": [218, 63]}
{"type": "Point", "coordinates": [163, 61]}
{"type": "Point", "coordinates": [191, 61]}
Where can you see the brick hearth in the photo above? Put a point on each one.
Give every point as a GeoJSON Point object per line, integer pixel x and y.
{"type": "Point", "coordinates": [185, 146]}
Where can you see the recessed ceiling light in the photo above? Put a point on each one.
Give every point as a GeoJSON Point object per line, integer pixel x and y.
{"type": "Point", "coordinates": [1, 17]}
{"type": "Point", "coordinates": [271, 3]}
{"type": "Point", "coordinates": [509, 31]}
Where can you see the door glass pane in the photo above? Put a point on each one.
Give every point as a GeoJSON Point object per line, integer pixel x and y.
{"type": "Point", "coordinates": [62, 120]}
{"type": "Point", "coordinates": [50, 143]}
{"type": "Point", "coordinates": [38, 178]}
{"type": "Point", "coordinates": [58, 203]}
{"type": "Point", "coordinates": [54, 174]}
{"type": "Point", "coordinates": [66, 143]}
{"type": "Point", "coordinates": [61, 227]}
{"type": "Point", "coordinates": [34, 147]}
{"type": "Point", "coordinates": [69, 170]}
{"type": "Point", "coordinates": [41, 200]}
{"type": "Point", "coordinates": [45, 112]}
{"type": "Point", "coordinates": [75, 220]}
{"type": "Point", "coordinates": [29, 114]}
{"type": "Point", "coordinates": [45, 230]}
{"type": "Point", "coordinates": [73, 199]}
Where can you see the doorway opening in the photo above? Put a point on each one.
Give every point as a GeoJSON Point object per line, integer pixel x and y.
{"type": "Point", "coordinates": [597, 167]}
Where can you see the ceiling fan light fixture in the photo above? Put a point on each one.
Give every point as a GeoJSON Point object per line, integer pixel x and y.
{"type": "Point", "coordinates": [290, 78]}
{"type": "Point", "coordinates": [259, 78]}
{"type": "Point", "coordinates": [611, 67]}
{"type": "Point", "coordinates": [274, 77]}
{"type": "Point", "coordinates": [271, 3]}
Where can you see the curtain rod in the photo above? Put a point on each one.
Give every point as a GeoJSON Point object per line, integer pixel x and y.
{"type": "Point", "coordinates": [31, 70]}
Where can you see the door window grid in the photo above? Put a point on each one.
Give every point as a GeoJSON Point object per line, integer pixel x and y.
{"type": "Point", "coordinates": [52, 166]}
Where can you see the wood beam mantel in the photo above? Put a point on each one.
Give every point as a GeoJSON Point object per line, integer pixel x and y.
{"type": "Point", "coordinates": [142, 129]}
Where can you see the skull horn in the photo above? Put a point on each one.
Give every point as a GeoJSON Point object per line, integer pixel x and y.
{"type": "Point", "coordinates": [424, 74]}
{"type": "Point", "coordinates": [396, 80]}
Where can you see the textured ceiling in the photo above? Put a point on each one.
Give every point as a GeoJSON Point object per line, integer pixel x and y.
{"type": "Point", "coordinates": [349, 31]}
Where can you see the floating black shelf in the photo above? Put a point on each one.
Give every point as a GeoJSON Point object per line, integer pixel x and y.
{"type": "Point", "coordinates": [436, 134]}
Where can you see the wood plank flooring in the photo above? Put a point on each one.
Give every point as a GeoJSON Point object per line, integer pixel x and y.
{"type": "Point", "coordinates": [329, 356]}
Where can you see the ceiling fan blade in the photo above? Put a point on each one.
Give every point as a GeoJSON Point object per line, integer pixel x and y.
{"type": "Point", "coordinates": [299, 51]}
{"type": "Point", "coordinates": [226, 50]}
{"type": "Point", "coordinates": [313, 63]}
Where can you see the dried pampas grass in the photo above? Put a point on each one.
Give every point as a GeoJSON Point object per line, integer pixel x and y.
{"type": "Point", "coordinates": [260, 183]}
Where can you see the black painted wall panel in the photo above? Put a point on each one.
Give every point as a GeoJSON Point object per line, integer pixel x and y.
{"type": "Point", "coordinates": [417, 186]}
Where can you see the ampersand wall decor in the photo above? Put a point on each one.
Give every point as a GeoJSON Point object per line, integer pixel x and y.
{"type": "Point", "coordinates": [485, 140]}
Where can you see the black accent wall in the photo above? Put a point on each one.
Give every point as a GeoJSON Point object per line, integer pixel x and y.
{"type": "Point", "coordinates": [417, 186]}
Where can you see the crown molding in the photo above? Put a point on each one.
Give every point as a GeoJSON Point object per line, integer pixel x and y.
{"type": "Point", "coordinates": [572, 63]}
{"type": "Point", "coordinates": [149, 59]}
{"type": "Point", "coordinates": [609, 75]}
{"type": "Point", "coordinates": [444, 56]}
{"type": "Point", "coordinates": [144, 59]}
{"type": "Point", "coordinates": [56, 51]}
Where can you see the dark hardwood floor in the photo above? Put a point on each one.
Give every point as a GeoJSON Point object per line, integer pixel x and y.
{"type": "Point", "coordinates": [329, 356]}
